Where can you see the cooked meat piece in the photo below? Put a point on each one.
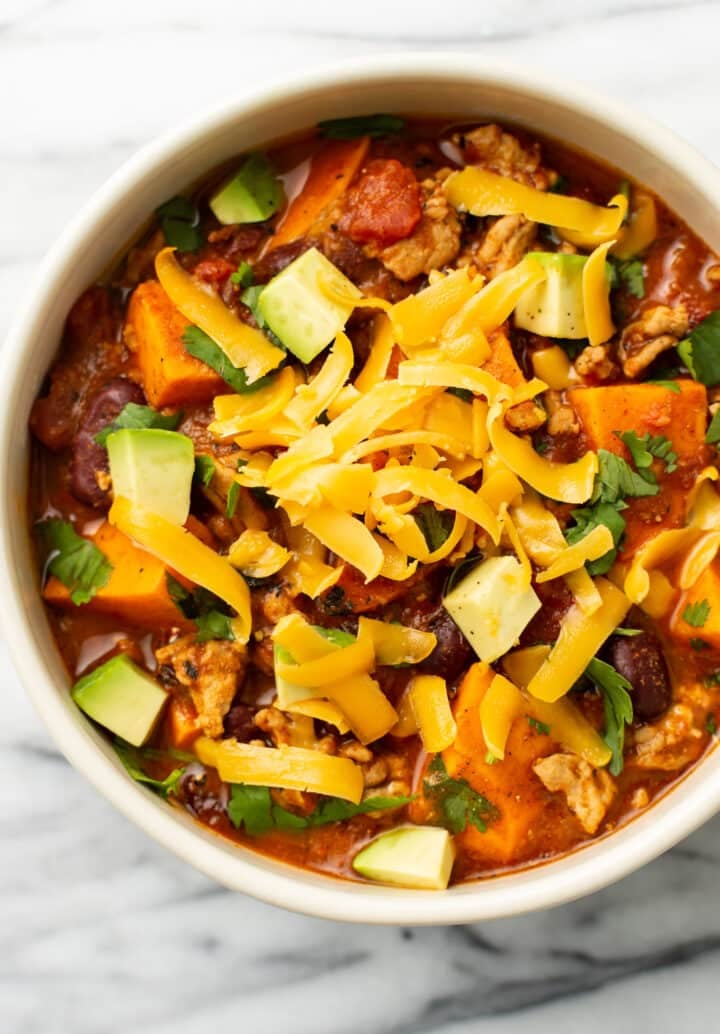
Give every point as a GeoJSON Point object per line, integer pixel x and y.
{"type": "Point", "coordinates": [594, 363]}
{"type": "Point", "coordinates": [562, 421]}
{"type": "Point", "coordinates": [212, 671]}
{"type": "Point", "coordinates": [504, 244]}
{"type": "Point", "coordinates": [525, 417]}
{"type": "Point", "coordinates": [89, 480]}
{"type": "Point", "coordinates": [497, 151]}
{"type": "Point", "coordinates": [669, 744]}
{"type": "Point", "coordinates": [589, 791]}
{"type": "Point", "coordinates": [433, 244]}
{"type": "Point", "coordinates": [657, 329]}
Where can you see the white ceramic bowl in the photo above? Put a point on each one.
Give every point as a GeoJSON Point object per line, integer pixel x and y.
{"type": "Point", "coordinates": [450, 84]}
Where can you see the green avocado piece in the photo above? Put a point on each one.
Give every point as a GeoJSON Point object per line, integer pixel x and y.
{"type": "Point", "coordinates": [554, 308]}
{"type": "Point", "coordinates": [413, 856]}
{"type": "Point", "coordinates": [252, 195]}
{"type": "Point", "coordinates": [154, 469]}
{"type": "Point", "coordinates": [300, 304]}
{"type": "Point", "coordinates": [122, 698]}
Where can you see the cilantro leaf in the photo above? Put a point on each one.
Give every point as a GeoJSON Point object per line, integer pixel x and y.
{"type": "Point", "coordinates": [434, 525]}
{"type": "Point", "coordinates": [538, 726]}
{"type": "Point", "coordinates": [699, 644]}
{"type": "Point", "coordinates": [243, 275]}
{"type": "Point", "coordinates": [462, 568]}
{"type": "Point", "coordinates": [560, 186]}
{"type": "Point", "coordinates": [203, 607]}
{"type": "Point", "coordinates": [455, 801]}
{"type": "Point", "coordinates": [198, 344]}
{"type": "Point", "coordinates": [631, 276]}
{"type": "Point", "coordinates": [713, 432]}
{"type": "Point", "coordinates": [75, 561]}
{"type": "Point", "coordinates": [618, 707]}
{"type": "Point", "coordinates": [360, 125]}
{"type": "Point", "coordinates": [464, 394]}
{"type": "Point", "coordinates": [629, 632]}
{"type": "Point", "coordinates": [130, 757]}
{"type": "Point", "coordinates": [232, 500]}
{"type": "Point", "coordinates": [643, 449]}
{"type": "Point", "coordinates": [710, 724]}
{"type": "Point", "coordinates": [213, 625]}
{"type": "Point", "coordinates": [254, 808]}
{"type": "Point", "coordinates": [136, 417]}
{"type": "Point", "coordinates": [696, 614]}
{"type": "Point", "coordinates": [713, 679]}
{"type": "Point", "coordinates": [669, 385]}
{"type": "Point", "coordinates": [616, 480]}
{"type": "Point", "coordinates": [204, 469]}
{"type": "Point", "coordinates": [180, 224]}
{"type": "Point", "coordinates": [589, 517]}
{"type": "Point", "coordinates": [700, 351]}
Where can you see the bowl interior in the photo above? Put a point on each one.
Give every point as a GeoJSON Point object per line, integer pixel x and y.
{"type": "Point", "coordinates": [413, 85]}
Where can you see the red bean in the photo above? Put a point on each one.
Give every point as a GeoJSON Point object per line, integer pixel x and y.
{"type": "Point", "coordinates": [90, 459]}
{"type": "Point", "coordinates": [640, 660]}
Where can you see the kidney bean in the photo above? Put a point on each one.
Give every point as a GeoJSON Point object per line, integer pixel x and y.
{"type": "Point", "coordinates": [89, 458]}
{"type": "Point", "coordinates": [452, 653]}
{"type": "Point", "coordinates": [239, 724]}
{"type": "Point", "coordinates": [640, 660]}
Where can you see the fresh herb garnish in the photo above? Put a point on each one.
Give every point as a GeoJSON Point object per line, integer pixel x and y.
{"type": "Point", "coordinates": [251, 298]}
{"type": "Point", "coordinates": [490, 758]}
{"type": "Point", "coordinates": [434, 525]}
{"type": "Point", "coordinates": [629, 632]}
{"type": "Point", "coordinates": [713, 432]}
{"type": "Point", "coordinates": [631, 276]}
{"type": "Point", "coordinates": [360, 125]}
{"type": "Point", "coordinates": [131, 757]}
{"type": "Point", "coordinates": [588, 517]}
{"type": "Point", "coordinates": [539, 727]}
{"type": "Point", "coordinates": [646, 447]}
{"type": "Point", "coordinates": [541, 446]}
{"type": "Point", "coordinates": [254, 808]}
{"type": "Point", "coordinates": [204, 469]}
{"type": "Point", "coordinates": [700, 351]}
{"type": "Point", "coordinates": [696, 614]}
{"type": "Point", "coordinates": [462, 568]}
{"type": "Point", "coordinates": [455, 801]}
{"type": "Point", "coordinates": [243, 275]}
{"type": "Point", "coordinates": [710, 724]}
{"type": "Point", "coordinates": [464, 394]}
{"type": "Point", "coordinates": [203, 607]}
{"type": "Point", "coordinates": [616, 480]}
{"type": "Point", "coordinates": [136, 417]}
{"type": "Point", "coordinates": [560, 186]}
{"type": "Point", "coordinates": [75, 561]}
{"type": "Point", "coordinates": [618, 707]}
{"type": "Point", "coordinates": [699, 644]}
{"type": "Point", "coordinates": [669, 385]}
{"type": "Point", "coordinates": [180, 224]}
{"type": "Point", "coordinates": [572, 347]}
{"type": "Point", "coordinates": [232, 500]}
{"type": "Point", "coordinates": [713, 679]}
{"type": "Point", "coordinates": [198, 344]}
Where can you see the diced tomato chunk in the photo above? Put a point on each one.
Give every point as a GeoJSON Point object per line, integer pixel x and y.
{"type": "Point", "coordinates": [214, 271]}
{"type": "Point", "coordinates": [384, 205]}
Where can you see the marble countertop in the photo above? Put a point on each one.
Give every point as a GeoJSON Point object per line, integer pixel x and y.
{"type": "Point", "coordinates": [103, 931]}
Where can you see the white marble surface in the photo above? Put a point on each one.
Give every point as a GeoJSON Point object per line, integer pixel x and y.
{"type": "Point", "coordinates": [101, 931]}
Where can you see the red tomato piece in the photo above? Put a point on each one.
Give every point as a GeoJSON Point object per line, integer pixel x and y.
{"type": "Point", "coordinates": [384, 205]}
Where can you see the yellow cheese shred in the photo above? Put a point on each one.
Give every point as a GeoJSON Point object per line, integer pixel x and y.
{"type": "Point", "coordinates": [421, 374]}
{"type": "Point", "coordinates": [501, 704]}
{"type": "Point", "coordinates": [347, 537]}
{"type": "Point", "coordinates": [431, 707]}
{"type": "Point", "coordinates": [323, 711]}
{"type": "Point", "coordinates": [315, 446]}
{"type": "Point", "coordinates": [493, 305]}
{"type": "Point", "coordinates": [397, 644]}
{"type": "Point", "coordinates": [485, 193]}
{"type": "Point", "coordinates": [368, 711]}
{"type": "Point", "coordinates": [440, 489]}
{"type": "Point", "coordinates": [396, 565]}
{"type": "Point", "coordinates": [653, 553]}
{"type": "Point", "coordinates": [699, 556]}
{"type": "Point", "coordinates": [403, 439]}
{"type": "Point", "coordinates": [641, 229]}
{"type": "Point", "coordinates": [345, 486]}
{"type": "Point", "coordinates": [375, 368]}
{"type": "Point", "coordinates": [257, 555]}
{"type": "Point", "coordinates": [254, 411]}
{"type": "Point", "coordinates": [187, 555]}
{"type": "Point", "coordinates": [245, 347]}
{"type": "Point", "coordinates": [312, 398]}
{"type": "Point", "coordinates": [566, 482]}
{"type": "Point", "coordinates": [594, 545]}
{"type": "Point", "coordinates": [289, 768]}
{"type": "Point", "coordinates": [421, 317]}
{"type": "Point", "coordinates": [301, 640]}
{"type": "Point", "coordinates": [596, 296]}
{"type": "Point", "coordinates": [341, 663]}
{"type": "Point", "coordinates": [406, 724]}
{"type": "Point", "coordinates": [306, 572]}
{"type": "Point", "coordinates": [581, 636]}
{"type": "Point", "coordinates": [372, 411]}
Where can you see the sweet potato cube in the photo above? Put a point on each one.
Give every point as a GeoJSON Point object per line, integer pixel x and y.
{"type": "Point", "coordinates": [153, 331]}
{"type": "Point", "coordinates": [182, 722]}
{"type": "Point", "coordinates": [136, 591]}
{"type": "Point", "coordinates": [502, 362]}
{"type": "Point", "coordinates": [679, 415]}
{"type": "Point", "coordinates": [701, 604]}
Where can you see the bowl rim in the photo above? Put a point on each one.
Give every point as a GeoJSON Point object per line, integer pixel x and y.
{"type": "Point", "coordinates": [557, 881]}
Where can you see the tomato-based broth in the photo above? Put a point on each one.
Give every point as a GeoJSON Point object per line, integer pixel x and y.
{"type": "Point", "coordinates": [374, 493]}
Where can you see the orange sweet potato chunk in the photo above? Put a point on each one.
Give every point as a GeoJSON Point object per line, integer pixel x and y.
{"type": "Point", "coordinates": [704, 594]}
{"type": "Point", "coordinates": [136, 591]}
{"type": "Point", "coordinates": [502, 362]}
{"type": "Point", "coordinates": [680, 416]}
{"type": "Point", "coordinates": [153, 331]}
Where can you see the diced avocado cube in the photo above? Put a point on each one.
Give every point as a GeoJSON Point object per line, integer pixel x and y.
{"type": "Point", "coordinates": [554, 308]}
{"type": "Point", "coordinates": [252, 195]}
{"type": "Point", "coordinates": [492, 605]}
{"type": "Point", "coordinates": [305, 305]}
{"type": "Point", "coordinates": [414, 856]}
{"type": "Point", "coordinates": [287, 692]}
{"type": "Point", "coordinates": [122, 698]}
{"type": "Point", "coordinates": [153, 469]}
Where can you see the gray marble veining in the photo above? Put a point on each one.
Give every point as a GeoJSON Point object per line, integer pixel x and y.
{"type": "Point", "coordinates": [102, 931]}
